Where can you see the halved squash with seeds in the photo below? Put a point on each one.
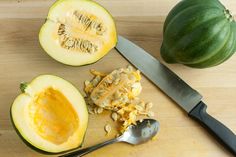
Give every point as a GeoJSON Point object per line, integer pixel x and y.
{"type": "Point", "coordinates": [50, 114]}
{"type": "Point", "coordinates": [78, 32]}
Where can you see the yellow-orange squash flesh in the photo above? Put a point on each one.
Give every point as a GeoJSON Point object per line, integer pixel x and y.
{"type": "Point", "coordinates": [51, 114]}
{"type": "Point", "coordinates": [78, 32]}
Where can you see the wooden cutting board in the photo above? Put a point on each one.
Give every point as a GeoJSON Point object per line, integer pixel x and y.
{"type": "Point", "coordinates": [22, 58]}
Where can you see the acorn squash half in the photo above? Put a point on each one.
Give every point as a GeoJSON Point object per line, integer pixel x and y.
{"type": "Point", "coordinates": [50, 114]}
{"type": "Point", "coordinates": [78, 32]}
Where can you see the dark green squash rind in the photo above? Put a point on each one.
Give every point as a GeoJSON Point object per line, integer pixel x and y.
{"type": "Point", "coordinates": [23, 139]}
{"type": "Point", "coordinates": [203, 52]}
{"type": "Point", "coordinates": [173, 35]}
{"type": "Point", "coordinates": [190, 22]}
{"type": "Point", "coordinates": [231, 53]}
{"type": "Point", "coordinates": [226, 52]}
{"type": "Point", "coordinates": [196, 52]}
{"type": "Point", "coordinates": [165, 55]}
{"type": "Point", "coordinates": [182, 5]}
{"type": "Point", "coordinates": [188, 50]}
{"type": "Point", "coordinates": [233, 25]}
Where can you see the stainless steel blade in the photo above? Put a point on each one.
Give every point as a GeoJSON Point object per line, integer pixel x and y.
{"type": "Point", "coordinates": [159, 74]}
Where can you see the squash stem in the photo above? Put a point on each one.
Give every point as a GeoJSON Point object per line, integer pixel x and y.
{"type": "Point", "coordinates": [23, 86]}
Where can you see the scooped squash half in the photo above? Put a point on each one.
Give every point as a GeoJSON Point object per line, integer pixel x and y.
{"type": "Point", "coordinates": [78, 32]}
{"type": "Point", "coordinates": [50, 114]}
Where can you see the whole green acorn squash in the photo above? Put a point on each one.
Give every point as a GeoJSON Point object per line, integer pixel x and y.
{"type": "Point", "coordinates": [199, 33]}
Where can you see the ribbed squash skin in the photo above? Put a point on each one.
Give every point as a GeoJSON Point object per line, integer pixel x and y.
{"type": "Point", "coordinates": [198, 33]}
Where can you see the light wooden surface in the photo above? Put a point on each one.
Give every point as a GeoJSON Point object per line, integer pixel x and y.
{"type": "Point", "coordinates": [21, 59]}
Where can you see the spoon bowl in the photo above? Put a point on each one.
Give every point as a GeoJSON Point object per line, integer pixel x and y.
{"type": "Point", "coordinates": [135, 134]}
{"type": "Point", "coordinates": [141, 132]}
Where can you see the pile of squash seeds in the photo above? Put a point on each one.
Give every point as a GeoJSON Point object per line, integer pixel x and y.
{"type": "Point", "coordinates": [117, 92]}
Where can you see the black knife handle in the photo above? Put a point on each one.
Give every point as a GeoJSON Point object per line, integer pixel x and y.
{"type": "Point", "coordinates": [223, 134]}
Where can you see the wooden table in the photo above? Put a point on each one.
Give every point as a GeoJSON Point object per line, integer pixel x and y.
{"type": "Point", "coordinates": [22, 58]}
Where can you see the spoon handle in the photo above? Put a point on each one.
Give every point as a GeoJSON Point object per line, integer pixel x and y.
{"type": "Point", "coordinates": [85, 151]}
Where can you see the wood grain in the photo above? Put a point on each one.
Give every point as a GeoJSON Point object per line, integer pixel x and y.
{"type": "Point", "coordinates": [141, 21]}
{"type": "Point", "coordinates": [33, 9]}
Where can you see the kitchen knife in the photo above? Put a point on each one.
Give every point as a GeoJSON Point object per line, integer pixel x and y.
{"type": "Point", "coordinates": [186, 97]}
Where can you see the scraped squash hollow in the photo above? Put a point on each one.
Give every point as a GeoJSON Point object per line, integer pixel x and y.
{"type": "Point", "coordinates": [78, 32]}
{"type": "Point", "coordinates": [51, 115]}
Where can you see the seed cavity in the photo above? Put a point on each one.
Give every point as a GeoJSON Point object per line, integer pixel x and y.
{"type": "Point", "coordinates": [83, 22]}
{"type": "Point", "coordinates": [73, 43]}
{"type": "Point", "coordinates": [89, 22]}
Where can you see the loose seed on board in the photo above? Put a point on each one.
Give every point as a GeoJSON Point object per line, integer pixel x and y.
{"type": "Point", "coordinates": [99, 110]}
{"type": "Point", "coordinates": [90, 109]}
{"type": "Point", "coordinates": [96, 80]}
{"type": "Point", "coordinates": [114, 116]}
{"type": "Point", "coordinates": [150, 114]}
{"type": "Point", "coordinates": [141, 120]}
{"type": "Point", "coordinates": [142, 104]}
{"type": "Point", "coordinates": [107, 128]}
{"type": "Point", "coordinates": [139, 108]}
{"type": "Point", "coordinates": [130, 68]}
{"type": "Point", "coordinates": [148, 105]}
{"type": "Point", "coordinates": [86, 82]}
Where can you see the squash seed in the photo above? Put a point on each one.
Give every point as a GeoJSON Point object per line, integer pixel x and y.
{"type": "Point", "coordinates": [107, 128]}
{"type": "Point", "coordinates": [123, 101]}
{"type": "Point", "coordinates": [148, 105]}
{"type": "Point", "coordinates": [114, 116]}
{"type": "Point", "coordinates": [150, 114]}
{"type": "Point", "coordinates": [139, 108]}
{"type": "Point", "coordinates": [86, 82]}
{"type": "Point", "coordinates": [99, 110]}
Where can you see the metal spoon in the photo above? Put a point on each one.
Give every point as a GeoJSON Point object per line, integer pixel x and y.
{"type": "Point", "coordinates": [135, 134]}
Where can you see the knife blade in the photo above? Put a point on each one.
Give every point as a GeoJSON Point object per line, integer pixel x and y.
{"type": "Point", "coordinates": [179, 91]}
